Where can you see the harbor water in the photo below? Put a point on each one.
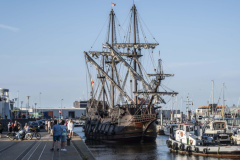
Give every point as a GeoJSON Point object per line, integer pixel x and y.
{"type": "Point", "coordinates": [136, 151]}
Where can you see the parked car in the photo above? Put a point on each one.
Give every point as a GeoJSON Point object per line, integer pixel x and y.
{"type": "Point", "coordinates": [43, 121]}
{"type": "Point", "coordinates": [40, 123]}
{"type": "Point", "coordinates": [34, 126]}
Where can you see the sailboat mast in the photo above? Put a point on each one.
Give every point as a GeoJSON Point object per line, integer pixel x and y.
{"type": "Point", "coordinates": [223, 107]}
{"type": "Point", "coordinates": [112, 40]}
{"type": "Point", "coordinates": [103, 81]}
{"type": "Point", "coordinates": [212, 96]}
{"type": "Point", "coordinates": [135, 51]}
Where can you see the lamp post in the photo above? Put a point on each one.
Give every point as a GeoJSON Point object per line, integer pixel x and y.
{"type": "Point", "coordinates": [40, 102]}
{"type": "Point", "coordinates": [61, 108]}
{"type": "Point", "coordinates": [21, 109]}
{"type": "Point", "coordinates": [27, 105]}
{"type": "Point", "coordinates": [15, 109]}
{"type": "Point", "coordinates": [35, 109]}
{"type": "Point", "coordinates": [40, 99]}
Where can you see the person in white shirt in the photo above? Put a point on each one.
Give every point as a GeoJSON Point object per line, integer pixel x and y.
{"type": "Point", "coordinates": [49, 125]}
{"type": "Point", "coordinates": [26, 128]}
{"type": "Point", "coordinates": [70, 128]}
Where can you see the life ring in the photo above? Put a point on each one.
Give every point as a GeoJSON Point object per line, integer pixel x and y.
{"type": "Point", "coordinates": [205, 151]}
{"type": "Point", "coordinates": [188, 149]}
{"type": "Point", "coordinates": [181, 134]}
{"type": "Point", "coordinates": [181, 147]}
{"type": "Point", "coordinates": [196, 150]}
{"type": "Point", "coordinates": [191, 142]}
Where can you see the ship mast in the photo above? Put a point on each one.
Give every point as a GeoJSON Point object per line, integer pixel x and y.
{"type": "Point", "coordinates": [135, 51]}
{"type": "Point", "coordinates": [112, 69]}
{"type": "Point", "coordinates": [114, 56]}
{"type": "Point", "coordinates": [223, 107]}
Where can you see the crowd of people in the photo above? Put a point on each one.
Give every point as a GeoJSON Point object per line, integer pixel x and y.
{"type": "Point", "coordinates": [60, 130]}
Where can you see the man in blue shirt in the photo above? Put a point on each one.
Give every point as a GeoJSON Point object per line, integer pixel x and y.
{"type": "Point", "coordinates": [56, 135]}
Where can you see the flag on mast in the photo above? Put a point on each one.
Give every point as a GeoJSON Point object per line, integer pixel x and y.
{"type": "Point", "coordinates": [92, 82]}
{"type": "Point", "coordinates": [104, 46]}
{"type": "Point", "coordinates": [113, 4]}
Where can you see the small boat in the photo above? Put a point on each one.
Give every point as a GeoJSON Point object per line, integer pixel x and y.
{"type": "Point", "coordinates": [167, 128]}
{"type": "Point", "coordinates": [190, 138]}
{"type": "Point", "coordinates": [79, 123]}
{"type": "Point", "coordinates": [236, 138]}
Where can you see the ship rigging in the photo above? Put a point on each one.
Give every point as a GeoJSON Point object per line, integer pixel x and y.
{"type": "Point", "coordinates": [116, 112]}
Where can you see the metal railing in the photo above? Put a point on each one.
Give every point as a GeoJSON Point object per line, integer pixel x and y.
{"type": "Point", "coordinates": [144, 118]}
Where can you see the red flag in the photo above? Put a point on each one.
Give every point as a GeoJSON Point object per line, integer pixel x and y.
{"type": "Point", "coordinates": [113, 4]}
{"type": "Point", "coordinates": [92, 82]}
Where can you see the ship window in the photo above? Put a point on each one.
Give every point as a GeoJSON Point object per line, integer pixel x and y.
{"type": "Point", "coordinates": [190, 128]}
{"type": "Point", "coordinates": [187, 129]}
{"type": "Point", "coordinates": [223, 125]}
{"type": "Point", "coordinates": [219, 125]}
{"type": "Point", "coordinates": [181, 127]}
{"type": "Point", "coordinates": [214, 126]}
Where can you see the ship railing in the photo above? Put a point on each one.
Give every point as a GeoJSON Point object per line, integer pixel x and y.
{"type": "Point", "coordinates": [143, 118]}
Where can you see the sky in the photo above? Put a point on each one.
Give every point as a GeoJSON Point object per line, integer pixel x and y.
{"type": "Point", "coordinates": [42, 45]}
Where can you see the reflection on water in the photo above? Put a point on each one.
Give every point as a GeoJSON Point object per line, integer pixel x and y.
{"type": "Point", "coordinates": [136, 151]}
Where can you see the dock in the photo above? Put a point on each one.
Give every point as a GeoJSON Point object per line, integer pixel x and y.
{"type": "Point", "coordinates": [40, 149]}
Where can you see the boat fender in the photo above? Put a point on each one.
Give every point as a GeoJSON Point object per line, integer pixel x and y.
{"type": "Point", "coordinates": [188, 149]}
{"type": "Point", "coordinates": [205, 150]}
{"type": "Point", "coordinates": [196, 150]}
{"type": "Point", "coordinates": [167, 142]}
{"type": "Point", "coordinates": [113, 132]}
{"type": "Point", "coordinates": [169, 145]}
{"type": "Point", "coordinates": [181, 147]}
{"type": "Point", "coordinates": [175, 146]}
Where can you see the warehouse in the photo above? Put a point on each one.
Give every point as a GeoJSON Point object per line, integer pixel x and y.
{"type": "Point", "coordinates": [64, 113]}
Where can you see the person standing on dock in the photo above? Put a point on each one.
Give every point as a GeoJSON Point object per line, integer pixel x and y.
{"type": "Point", "coordinates": [63, 136]}
{"type": "Point", "coordinates": [9, 126]}
{"type": "Point", "coordinates": [70, 128]}
{"type": "Point", "coordinates": [15, 127]}
{"type": "Point", "coordinates": [56, 135]}
{"type": "Point", "coordinates": [49, 125]}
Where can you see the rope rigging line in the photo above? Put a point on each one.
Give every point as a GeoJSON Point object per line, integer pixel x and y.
{"type": "Point", "coordinates": [146, 41]}
{"type": "Point", "coordinates": [162, 85]}
{"type": "Point", "coordinates": [98, 35]}
{"type": "Point", "coordinates": [88, 70]}
{"type": "Point", "coordinates": [147, 28]}
{"type": "Point", "coordinates": [108, 29]}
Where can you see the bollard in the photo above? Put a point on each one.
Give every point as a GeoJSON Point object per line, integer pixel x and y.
{"type": "Point", "coordinates": [68, 141]}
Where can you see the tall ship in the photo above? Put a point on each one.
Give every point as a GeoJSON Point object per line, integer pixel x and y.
{"type": "Point", "coordinates": [126, 94]}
